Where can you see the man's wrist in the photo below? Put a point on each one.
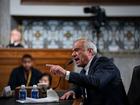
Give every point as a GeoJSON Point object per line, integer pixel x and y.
{"type": "Point", "coordinates": [67, 75]}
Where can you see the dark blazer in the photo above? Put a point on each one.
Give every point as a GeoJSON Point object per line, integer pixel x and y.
{"type": "Point", "coordinates": [134, 90]}
{"type": "Point", "coordinates": [15, 46]}
{"type": "Point", "coordinates": [103, 83]}
{"type": "Point", "coordinates": [17, 77]}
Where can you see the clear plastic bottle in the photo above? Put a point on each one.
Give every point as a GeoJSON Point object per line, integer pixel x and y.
{"type": "Point", "coordinates": [35, 92]}
{"type": "Point", "coordinates": [22, 93]}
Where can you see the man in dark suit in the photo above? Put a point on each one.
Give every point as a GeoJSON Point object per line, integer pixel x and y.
{"type": "Point", "coordinates": [99, 82]}
{"type": "Point", "coordinates": [134, 90]}
{"type": "Point", "coordinates": [25, 74]}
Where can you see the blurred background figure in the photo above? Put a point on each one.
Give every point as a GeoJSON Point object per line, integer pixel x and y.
{"type": "Point", "coordinates": [45, 84]}
{"type": "Point", "coordinates": [24, 74]}
{"type": "Point", "coordinates": [134, 90]}
{"type": "Point", "coordinates": [15, 39]}
{"type": "Point", "coordinates": [45, 80]}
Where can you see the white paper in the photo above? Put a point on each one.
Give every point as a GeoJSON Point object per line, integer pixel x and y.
{"type": "Point", "coordinates": [7, 91]}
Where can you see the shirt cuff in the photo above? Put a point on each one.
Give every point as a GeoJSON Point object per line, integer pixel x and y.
{"type": "Point", "coordinates": [67, 75]}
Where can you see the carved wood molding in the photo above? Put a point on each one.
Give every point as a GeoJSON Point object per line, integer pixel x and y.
{"type": "Point", "coordinates": [79, 2]}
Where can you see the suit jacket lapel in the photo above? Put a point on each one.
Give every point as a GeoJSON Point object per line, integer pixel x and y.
{"type": "Point", "coordinates": [93, 64]}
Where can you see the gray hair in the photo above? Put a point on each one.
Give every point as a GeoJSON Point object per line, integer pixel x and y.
{"type": "Point", "coordinates": [90, 44]}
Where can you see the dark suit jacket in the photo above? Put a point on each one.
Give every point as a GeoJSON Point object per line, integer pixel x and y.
{"type": "Point", "coordinates": [103, 83]}
{"type": "Point", "coordinates": [134, 90]}
{"type": "Point", "coordinates": [17, 77]}
{"type": "Point", "coordinates": [15, 46]}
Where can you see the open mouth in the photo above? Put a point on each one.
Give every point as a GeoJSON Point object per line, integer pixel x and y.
{"type": "Point", "coordinates": [76, 60]}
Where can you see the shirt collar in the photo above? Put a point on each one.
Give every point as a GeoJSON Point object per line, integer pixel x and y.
{"type": "Point", "coordinates": [88, 65]}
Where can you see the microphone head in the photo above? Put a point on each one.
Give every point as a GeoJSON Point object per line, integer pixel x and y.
{"type": "Point", "coordinates": [70, 62]}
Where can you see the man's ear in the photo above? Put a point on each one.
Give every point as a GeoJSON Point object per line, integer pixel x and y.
{"type": "Point", "coordinates": [90, 50]}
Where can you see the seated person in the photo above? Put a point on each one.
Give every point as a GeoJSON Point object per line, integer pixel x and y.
{"type": "Point", "coordinates": [44, 84]}
{"type": "Point", "coordinates": [134, 90]}
{"type": "Point", "coordinates": [45, 80]}
{"type": "Point", "coordinates": [15, 39]}
{"type": "Point", "coordinates": [24, 74]}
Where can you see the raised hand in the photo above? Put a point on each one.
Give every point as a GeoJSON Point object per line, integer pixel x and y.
{"type": "Point", "coordinates": [57, 70]}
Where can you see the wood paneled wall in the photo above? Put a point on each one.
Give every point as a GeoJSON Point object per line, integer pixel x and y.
{"type": "Point", "coordinates": [10, 58]}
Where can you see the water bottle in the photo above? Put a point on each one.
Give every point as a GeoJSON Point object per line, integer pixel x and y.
{"type": "Point", "coordinates": [35, 92]}
{"type": "Point", "coordinates": [22, 93]}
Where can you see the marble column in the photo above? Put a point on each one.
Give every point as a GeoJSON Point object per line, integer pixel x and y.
{"type": "Point", "coordinates": [5, 21]}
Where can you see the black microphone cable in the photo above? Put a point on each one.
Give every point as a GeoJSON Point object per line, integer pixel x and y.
{"type": "Point", "coordinates": [65, 66]}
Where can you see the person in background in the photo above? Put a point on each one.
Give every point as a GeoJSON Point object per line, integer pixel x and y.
{"type": "Point", "coordinates": [24, 74]}
{"type": "Point", "coordinates": [45, 80]}
{"type": "Point", "coordinates": [45, 84]}
{"type": "Point", "coordinates": [15, 39]}
{"type": "Point", "coordinates": [134, 89]}
{"type": "Point", "coordinates": [99, 82]}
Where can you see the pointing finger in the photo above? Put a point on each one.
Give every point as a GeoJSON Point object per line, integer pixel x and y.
{"type": "Point", "coordinates": [49, 65]}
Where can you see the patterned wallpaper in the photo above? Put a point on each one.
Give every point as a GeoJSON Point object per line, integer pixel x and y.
{"type": "Point", "coordinates": [115, 35]}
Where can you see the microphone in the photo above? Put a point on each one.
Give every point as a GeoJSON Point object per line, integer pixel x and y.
{"type": "Point", "coordinates": [70, 62]}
